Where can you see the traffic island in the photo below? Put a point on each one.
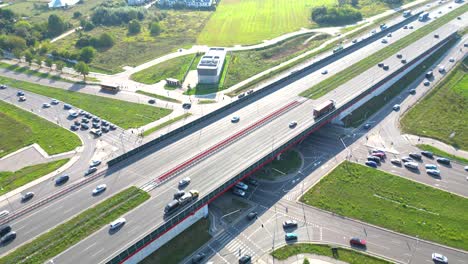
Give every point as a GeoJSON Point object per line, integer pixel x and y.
{"type": "Point", "coordinates": [332, 252]}
{"type": "Point", "coordinates": [287, 163]}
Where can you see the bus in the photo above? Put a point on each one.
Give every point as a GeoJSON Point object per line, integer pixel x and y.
{"type": "Point", "coordinates": [110, 87]}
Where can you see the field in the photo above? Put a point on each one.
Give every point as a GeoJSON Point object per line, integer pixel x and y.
{"type": "Point", "coordinates": [165, 124]}
{"type": "Point", "coordinates": [345, 255]}
{"type": "Point", "coordinates": [57, 240]}
{"type": "Point", "coordinates": [290, 162]}
{"type": "Point", "coordinates": [21, 128]}
{"type": "Point", "coordinates": [122, 113]}
{"type": "Point", "coordinates": [441, 153]}
{"type": "Point", "coordinates": [357, 68]}
{"type": "Point", "coordinates": [382, 199]}
{"type": "Point", "coordinates": [184, 244]}
{"type": "Point", "coordinates": [443, 114]}
{"type": "Point", "coordinates": [358, 116]}
{"type": "Point", "coordinates": [180, 29]}
{"type": "Point", "coordinates": [10, 180]}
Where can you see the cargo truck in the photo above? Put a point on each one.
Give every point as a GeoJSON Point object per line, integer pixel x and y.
{"type": "Point", "coordinates": [335, 50]}
{"type": "Point", "coordinates": [424, 16]}
{"type": "Point", "coordinates": [407, 13]}
{"type": "Point", "coordinates": [323, 108]}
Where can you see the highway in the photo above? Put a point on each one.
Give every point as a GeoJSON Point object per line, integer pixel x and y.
{"type": "Point", "coordinates": [187, 145]}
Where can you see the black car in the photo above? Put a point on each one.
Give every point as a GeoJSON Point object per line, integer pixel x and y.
{"type": "Point", "coordinates": [105, 129]}
{"type": "Point", "coordinates": [198, 257]}
{"type": "Point", "coordinates": [252, 215]}
{"type": "Point", "coordinates": [84, 126]}
{"type": "Point", "coordinates": [96, 119]}
{"type": "Point", "coordinates": [90, 170]}
{"type": "Point", "coordinates": [186, 105]}
{"type": "Point", "coordinates": [415, 156]}
{"type": "Point", "coordinates": [77, 123]}
{"type": "Point", "coordinates": [20, 93]}
{"type": "Point", "coordinates": [151, 101]}
{"type": "Point", "coordinates": [62, 179]}
{"type": "Point", "coordinates": [27, 196]}
{"type": "Point", "coordinates": [67, 106]}
{"type": "Point", "coordinates": [96, 125]}
{"type": "Point", "coordinates": [88, 115]}
{"type": "Point", "coordinates": [443, 161]}
{"type": "Point", "coordinates": [429, 74]}
{"type": "Point", "coordinates": [245, 259]}
{"type": "Point", "coordinates": [8, 237]}
{"type": "Point", "coordinates": [380, 64]}
{"type": "Point", "coordinates": [179, 194]}
{"type": "Point", "coordinates": [251, 181]}
{"type": "Point", "coordinates": [73, 127]}
{"type": "Point", "coordinates": [5, 229]}
{"type": "Point", "coordinates": [374, 159]}
{"type": "Point", "coordinates": [112, 126]}
{"type": "Point", "coordinates": [84, 120]}
{"type": "Point", "coordinates": [104, 123]}
{"type": "Point", "coordinates": [385, 67]}
{"type": "Point", "coordinates": [427, 154]}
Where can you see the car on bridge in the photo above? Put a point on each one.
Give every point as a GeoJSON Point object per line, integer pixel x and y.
{"type": "Point", "coordinates": [171, 207]}
{"type": "Point", "coordinates": [62, 179]}
{"type": "Point", "coordinates": [179, 194]}
{"type": "Point", "coordinates": [27, 196]}
{"type": "Point", "coordinates": [184, 182]}
{"type": "Point", "coordinates": [439, 258]}
{"type": "Point", "coordinates": [235, 119]}
{"type": "Point", "coordinates": [99, 189]}
{"type": "Point", "coordinates": [90, 171]}
{"type": "Point", "coordinates": [198, 258]}
{"type": "Point", "coordinates": [357, 242]}
{"type": "Point", "coordinates": [289, 223]}
{"type": "Point", "coordinates": [292, 124]}
{"type": "Point", "coordinates": [117, 223]}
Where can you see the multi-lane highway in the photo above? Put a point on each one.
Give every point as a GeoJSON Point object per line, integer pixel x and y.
{"type": "Point", "coordinates": [210, 172]}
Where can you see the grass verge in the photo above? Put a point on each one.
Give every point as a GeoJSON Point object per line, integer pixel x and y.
{"type": "Point", "coordinates": [26, 70]}
{"type": "Point", "coordinates": [441, 153]}
{"type": "Point", "coordinates": [60, 238]}
{"type": "Point", "coordinates": [290, 161]}
{"type": "Point", "coordinates": [173, 68]}
{"type": "Point", "coordinates": [442, 114]}
{"type": "Point", "coordinates": [184, 244]}
{"type": "Point", "coordinates": [160, 97]}
{"type": "Point", "coordinates": [121, 113]}
{"type": "Point", "coordinates": [342, 254]}
{"type": "Point", "coordinates": [206, 101]}
{"type": "Point", "coordinates": [21, 128]}
{"type": "Point", "coordinates": [168, 122]}
{"type": "Point", "coordinates": [359, 67]}
{"type": "Point", "coordinates": [358, 116]}
{"type": "Point", "coordinates": [386, 200]}
{"type": "Point", "coordinates": [9, 180]}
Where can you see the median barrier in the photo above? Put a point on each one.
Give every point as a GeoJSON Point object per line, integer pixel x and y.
{"type": "Point", "coordinates": [266, 89]}
{"type": "Point", "coordinates": [190, 209]}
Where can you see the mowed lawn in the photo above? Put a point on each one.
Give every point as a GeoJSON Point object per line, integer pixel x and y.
{"type": "Point", "coordinates": [122, 113]}
{"type": "Point", "coordinates": [252, 21]}
{"type": "Point", "coordinates": [443, 113]}
{"type": "Point", "coordinates": [386, 200]}
{"type": "Point", "coordinates": [20, 128]}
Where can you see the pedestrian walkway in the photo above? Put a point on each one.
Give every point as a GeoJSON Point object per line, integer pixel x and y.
{"type": "Point", "coordinates": [235, 245]}
{"type": "Point", "coordinates": [416, 140]}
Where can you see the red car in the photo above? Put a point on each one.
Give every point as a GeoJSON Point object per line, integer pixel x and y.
{"type": "Point", "coordinates": [357, 242]}
{"type": "Point", "coordinates": [379, 154]}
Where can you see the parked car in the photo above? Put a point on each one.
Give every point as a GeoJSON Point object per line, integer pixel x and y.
{"type": "Point", "coordinates": [250, 91]}
{"type": "Point", "coordinates": [105, 129]}
{"type": "Point", "coordinates": [186, 105]}
{"type": "Point", "coordinates": [67, 107]}
{"type": "Point", "coordinates": [62, 179]}
{"type": "Point", "coordinates": [99, 189]}
{"type": "Point", "coordinates": [84, 120]}
{"type": "Point", "coordinates": [427, 154]}
{"type": "Point", "coordinates": [238, 192]}
{"type": "Point", "coordinates": [433, 172]}
{"type": "Point", "coordinates": [412, 91]}
{"type": "Point", "coordinates": [415, 156]}
{"type": "Point", "coordinates": [252, 215]}
{"type": "Point", "coordinates": [84, 126]}
{"type": "Point", "coordinates": [384, 41]}
{"type": "Point", "coordinates": [45, 105]}
{"type": "Point", "coordinates": [407, 159]}
{"type": "Point", "coordinates": [367, 126]}
{"type": "Point", "coordinates": [355, 241]}
{"type": "Point", "coordinates": [439, 258]}
{"type": "Point", "coordinates": [77, 123]}
{"type": "Point", "coordinates": [374, 159]}
{"type": "Point", "coordinates": [431, 166]}
{"type": "Point", "coordinates": [241, 95]}
{"type": "Point", "coordinates": [117, 223]}
{"type": "Point", "coordinates": [2, 86]}
{"type": "Point", "coordinates": [380, 155]}
{"type": "Point", "coordinates": [411, 165]}
{"type": "Point", "coordinates": [251, 181]}
{"type": "Point", "coordinates": [8, 237]}
{"type": "Point", "coordinates": [55, 102]}
{"type": "Point", "coordinates": [292, 124]}
{"type": "Point", "coordinates": [185, 181]}
{"type": "Point", "coordinates": [324, 72]}
{"type": "Point", "coordinates": [396, 162]}
{"type": "Point", "coordinates": [151, 101]}
{"type": "Point", "coordinates": [396, 107]}
{"type": "Point", "coordinates": [372, 164]}
{"type": "Point", "coordinates": [466, 168]}
{"type": "Point", "coordinates": [194, 194]}
{"type": "Point", "coordinates": [245, 259]}
{"type": "Point", "coordinates": [235, 119]}
{"type": "Point", "coordinates": [27, 196]}
{"type": "Point", "coordinates": [426, 83]}
{"type": "Point", "coordinates": [4, 213]}
{"type": "Point", "coordinates": [90, 171]}
{"type": "Point", "coordinates": [289, 223]}
{"type": "Point", "coordinates": [452, 59]}
{"type": "Point", "coordinates": [22, 98]}
{"type": "Point", "coordinates": [290, 236]}
{"type": "Point", "coordinates": [20, 93]}
{"type": "Point", "coordinates": [95, 163]}
{"type": "Point", "coordinates": [242, 186]}
{"type": "Point", "coordinates": [443, 161]}
{"type": "Point", "coordinates": [73, 127]}
{"type": "Point", "coordinates": [112, 126]}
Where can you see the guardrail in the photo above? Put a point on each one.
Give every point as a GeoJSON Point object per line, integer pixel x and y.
{"type": "Point", "coordinates": [189, 210]}
{"type": "Point", "coordinates": [264, 90]}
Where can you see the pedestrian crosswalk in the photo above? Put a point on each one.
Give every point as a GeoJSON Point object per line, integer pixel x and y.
{"type": "Point", "coordinates": [235, 245]}
{"type": "Point", "coordinates": [292, 195]}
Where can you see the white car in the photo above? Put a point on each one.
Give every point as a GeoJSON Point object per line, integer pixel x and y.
{"type": "Point", "coordinates": [411, 165]}
{"type": "Point", "coordinates": [184, 181]}
{"type": "Point", "coordinates": [117, 223]}
{"type": "Point", "coordinates": [466, 168]}
{"type": "Point", "coordinates": [45, 105]}
{"type": "Point", "coordinates": [324, 72]}
{"type": "Point", "coordinates": [292, 124]}
{"type": "Point", "coordinates": [55, 102]}
{"type": "Point", "coordinates": [439, 258]}
{"type": "Point", "coordinates": [235, 119]}
{"type": "Point", "coordinates": [99, 189]}
{"type": "Point", "coordinates": [433, 172]}
{"type": "Point", "coordinates": [95, 163]}
{"type": "Point", "coordinates": [396, 107]}
{"type": "Point", "coordinates": [452, 59]}
{"type": "Point", "coordinates": [396, 162]}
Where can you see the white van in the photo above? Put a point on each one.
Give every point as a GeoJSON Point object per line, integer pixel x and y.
{"type": "Point", "coordinates": [4, 213]}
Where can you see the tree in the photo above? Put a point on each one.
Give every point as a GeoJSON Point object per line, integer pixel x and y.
{"type": "Point", "coordinates": [87, 54]}
{"type": "Point", "coordinates": [82, 68]}
{"type": "Point", "coordinates": [59, 66]}
{"type": "Point", "coordinates": [28, 57]}
{"type": "Point", "coordinates": [38, 61]}
{"type": "Point", "coordinates": [155, 28]}
{"type": "Point", "coordinates": [341, 3]}
{"type": "Point", "coordinates": [306, 261]}
{"type": "Point", "coordinates": [76, 14]}
{"type": "Point", "coordinates": [55, 25]}
{"type": "Point", "coordinates": [354, 3]}
{"type": "Point", "coordinates": [48, 62]}
{"type": "Point", "coordinates": [134, 27]}
{"type": "Point", "coordinates": [106, 40]}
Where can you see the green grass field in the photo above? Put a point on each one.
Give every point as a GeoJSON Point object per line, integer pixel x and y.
{"type": "Point", "coordinates": [345, 255]}
{"type": "Point", "coordinates": [174, 68]}
{"type": "Point", "coordinates": [57, 240]}
{"type": "Point", "coordinates": [290, 162]}
{"type": "Point", "coordinates": [160, 97]}
{"type": "Point", "coordinates": [184, 244]}
{"type": "Point", "coordinates": [386, 200]}
{"type": "Point", "coordinates": [358, 116]}
{"type": "Point", "coordinates": [357, 68]}
{"type": "Point", "coordinates": [443, 114]}
{"type": "Point", "coordinates": [122, 113]}
{"type": "Point", "coordinates": [10, 180]}
{"type": "Point", "coordinates": [165, 124]}
{"type": "Point", "coordinates": [21, 128]}
{"type": "Point", "coordinates": [441, 153]}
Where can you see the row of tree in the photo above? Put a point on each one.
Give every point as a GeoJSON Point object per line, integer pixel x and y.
{"type": "Point", "coordinates": [335, 16]}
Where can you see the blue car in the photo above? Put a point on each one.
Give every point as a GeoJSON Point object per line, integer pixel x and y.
{"type": "Point", "coordinates": [290, 236]}
{"type": "Point", "coordinates": [372, 164]}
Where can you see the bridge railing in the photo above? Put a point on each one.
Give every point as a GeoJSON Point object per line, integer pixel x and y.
{"type": "Point", "coordinates": [264, 90]}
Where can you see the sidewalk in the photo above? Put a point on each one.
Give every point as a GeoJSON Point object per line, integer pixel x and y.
{"type": "Point", "coordinates": [415, 140]}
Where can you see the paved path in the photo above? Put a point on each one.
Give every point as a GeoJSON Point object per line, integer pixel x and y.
{"type": "Point", "coordinates": [415, 140]}
{"type": "Point", "coordinates": [65, 34]}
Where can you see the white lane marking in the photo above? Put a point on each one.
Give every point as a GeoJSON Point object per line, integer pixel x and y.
{"type": "Point", "coordinates": [217, 254]}
{"type": "Point", "coordinates": [97, 252]}
{"type": "Point", "coordinates": [90, 246]}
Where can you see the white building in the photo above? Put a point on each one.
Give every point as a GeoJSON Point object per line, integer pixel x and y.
{"type": "Point", "coordinates": [210, 67]}
{"type": "Point", "coordinates": [62, 3]}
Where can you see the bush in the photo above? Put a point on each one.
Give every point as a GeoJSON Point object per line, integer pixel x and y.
{"type": "Point", "coordinates": [87, 54]}
{"type": "Point", "coordinates": [155, 28]}
{"type": "Point", "coordinates": [117, 16]}
{"type": "Point", "coordinates": [134, 27]}
{"type": "Point", "coordinates": [335, 15]}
